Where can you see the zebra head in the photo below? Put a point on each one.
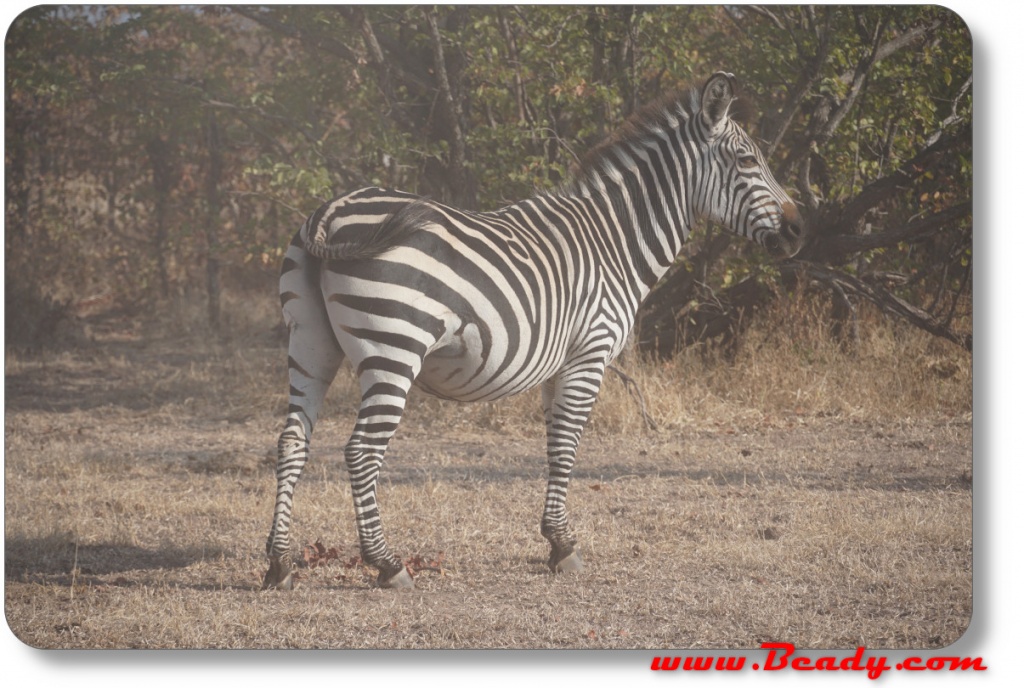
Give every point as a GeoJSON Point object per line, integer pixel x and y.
{"type": "Point", "coordinates": [742, 193]}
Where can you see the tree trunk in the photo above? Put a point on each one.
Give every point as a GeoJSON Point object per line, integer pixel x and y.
{"type": "Point", "coordinates": [213, 209]}
{"type": "Point", "coordinates": [159, 152]}
{"type": "Point", "coordinates": [658, 329]}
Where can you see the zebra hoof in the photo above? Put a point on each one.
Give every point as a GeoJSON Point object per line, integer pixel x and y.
{"type": "Point", "coordinates": [570, 564]}
{"type": "Point", "coordinates": [279, 575]}
{"type": "Point", "coordinates": [400, 581]}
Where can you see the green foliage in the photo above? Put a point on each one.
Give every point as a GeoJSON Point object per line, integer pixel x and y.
{"type": "Point", "coordinates": [285, 179]}
{"type": "Point", "coordinates": [144, 142]}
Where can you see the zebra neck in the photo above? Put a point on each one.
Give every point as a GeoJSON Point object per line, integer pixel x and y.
{"type": "Point", "coordinates": [644, 222]}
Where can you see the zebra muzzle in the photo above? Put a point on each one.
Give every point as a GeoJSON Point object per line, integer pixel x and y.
{"type": "Point", "coordinates": [790, 237]}
{"type": "Point", "coordinates": [793, 230]}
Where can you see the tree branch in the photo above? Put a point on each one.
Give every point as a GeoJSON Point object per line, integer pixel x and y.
{"type": "Point", "coordinates": [312, 39]}
{"type": "Point", "coordinates": [954, 117]}
{"type": "Point", "coordinates": [512, 51]}
{"type": "Point", "coordinates": [765, 12]}
{"type": "Point", "coordinates": [860, 77]}
{"type": "Point", "coordinates": [904, 40]}
{"type": "Point", "coordinates": [886, 187]}
{"type": "Point", "coordinates": [463, 194]}
{"type": "Point", "coordinates": [887, 301]}
{"type": "Point", "coordinates": [829, 117]}
{"type": "Point", "coordinates": [633, 389]}
{"type": "Point", "coordinates": [808, 77]}
{"type": "Point", "coordinates": [845, 244]}
{"type": "Point", "coordinates": [453, 109]}
{"type": "Point", "coordinates": [657, 327]}
{"type": "Point", "coordinates": [380, 63]}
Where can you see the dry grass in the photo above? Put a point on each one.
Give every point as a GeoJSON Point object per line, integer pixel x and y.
{"type": "Point", "coordinates": [795, 493]}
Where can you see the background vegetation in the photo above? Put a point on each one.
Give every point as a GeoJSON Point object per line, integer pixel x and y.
{"type": "Point", "coordinates": [164, 154]}
{"type": "Point", "coordinates": [810, 477]}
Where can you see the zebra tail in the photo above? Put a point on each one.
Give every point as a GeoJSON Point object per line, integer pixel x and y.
{"type": "Point", "coordinates": [404, 222]}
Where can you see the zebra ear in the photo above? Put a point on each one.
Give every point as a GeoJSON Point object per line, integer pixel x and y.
{"type": "Point", "coordinates": [718, 94]}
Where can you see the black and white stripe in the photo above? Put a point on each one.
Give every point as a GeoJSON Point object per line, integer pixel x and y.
{"type": "Point", "coordinates": [481, 306]}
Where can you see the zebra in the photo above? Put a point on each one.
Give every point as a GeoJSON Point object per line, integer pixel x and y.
{"type": "Point", "coordinates": [478, 306]}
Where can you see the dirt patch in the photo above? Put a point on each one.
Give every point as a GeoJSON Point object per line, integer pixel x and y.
{"type": "Point", "coordinates": [140, 485]}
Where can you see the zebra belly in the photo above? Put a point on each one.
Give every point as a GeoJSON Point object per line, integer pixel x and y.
{"type": "Point", "coordinates": [459, 370]}
{"type": "Point", "coordinates": [453, 364]}
{"type": "Point", "coordinates": [469, 330]}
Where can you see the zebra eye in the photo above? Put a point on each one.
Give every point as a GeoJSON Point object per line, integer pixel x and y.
{"type": "Point", "coordinates": [747, 161]}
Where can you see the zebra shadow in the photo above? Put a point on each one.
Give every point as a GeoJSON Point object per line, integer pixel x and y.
{"type": "Point", "coordinates": [404, 470]}
{"type": "Point", "coordinates": [58, 560]}
{"type": "Point", "coordinates": [136, 376]}
{"type": "Point", "coordinates": [84, 386]}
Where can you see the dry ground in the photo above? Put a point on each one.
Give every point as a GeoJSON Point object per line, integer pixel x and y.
{"type": "Point", "coordinates": [812, 499]}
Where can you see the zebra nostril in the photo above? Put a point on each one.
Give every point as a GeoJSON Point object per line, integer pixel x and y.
{"type": "Point", "coordinates": [792, 221]}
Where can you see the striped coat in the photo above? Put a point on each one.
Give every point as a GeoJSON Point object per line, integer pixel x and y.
{"type": "Point", "coordinates": [480, 306]}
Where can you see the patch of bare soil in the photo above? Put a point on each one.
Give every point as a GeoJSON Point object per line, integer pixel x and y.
{"type": "Point", "coordinates": [140, 485]}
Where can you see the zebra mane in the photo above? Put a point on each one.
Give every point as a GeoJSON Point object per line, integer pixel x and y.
{"type": "Point", "coordinates": [657, 114]}
{"type": "Point", "coordinates": [405, 221]}
{"type": "Point", "coordinates": [663, 113]}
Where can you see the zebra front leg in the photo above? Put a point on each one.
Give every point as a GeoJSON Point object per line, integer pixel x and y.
{"type": "Point", "coordinates": [567, 401]}
{"type": "Point", "coordinates": [379, 414]}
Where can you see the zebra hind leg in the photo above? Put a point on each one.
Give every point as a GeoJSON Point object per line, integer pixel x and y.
{"type": "Point", "coordinates": [310, 371]}
{"type": "Point", "coordinates": [383, 402]}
